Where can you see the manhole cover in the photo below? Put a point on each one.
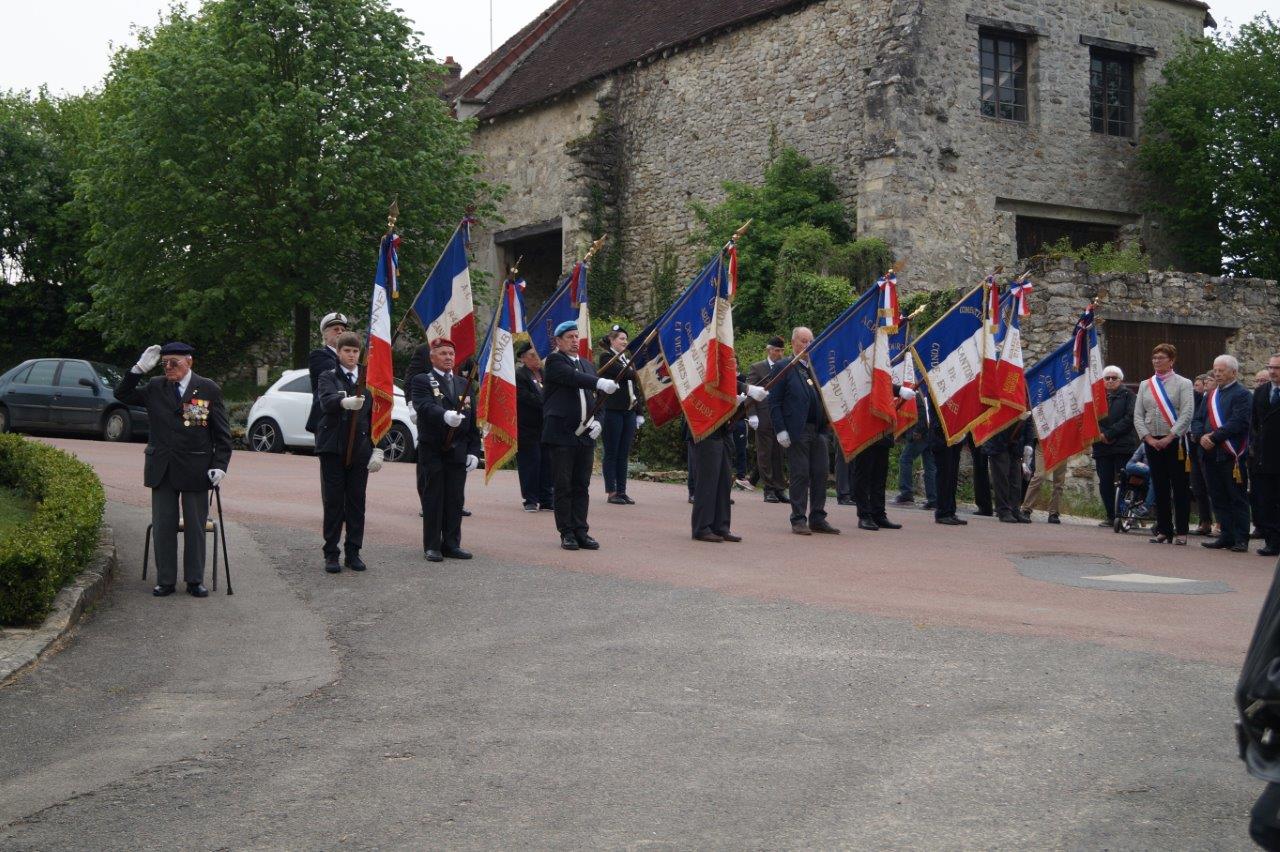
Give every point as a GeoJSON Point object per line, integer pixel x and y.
{"type": "Point", "coordinates": [1091, 571]}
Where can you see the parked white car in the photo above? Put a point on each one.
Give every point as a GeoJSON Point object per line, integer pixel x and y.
{"type": "Point", "coordinates": [278, 420]}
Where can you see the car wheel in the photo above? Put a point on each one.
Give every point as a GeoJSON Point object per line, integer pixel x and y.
{"type": "Point", "coordinates": [4, 419]}
{"type": "Point", "coordinates": [265, 437]}
{"type": "Point", "coordinates": [397, 444]}
{"type": "Point", "coordinates": [117, 426]}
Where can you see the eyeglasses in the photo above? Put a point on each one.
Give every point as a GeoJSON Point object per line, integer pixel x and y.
{"type": "Point", "coordinates": [1111, 378]}
{"type": "Point", "coordinates": [173, 362]}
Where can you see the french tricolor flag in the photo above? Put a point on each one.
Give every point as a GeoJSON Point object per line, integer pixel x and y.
{"type": "Point", "coordinates": [378, 367]}
{"type": "Point", "coordinates": [655, 379]}
{"type": "Point", "coordinates": [496, 402]}
{"type": "Point", "coordinates": [850, 363]}
{"type": "Point", "coordinates": [444, 307]}
{"type": "Point", "coordinates": [696, 337]}
{"type": "Point", "coordinates": [1005, 384]}
{"type": "Point", "coordinates": [567, 302]}
{"type": "Point", "coordinates": [950, 354]}
{"type": "Point", "coordinates": [904, 375]}
{"type": "Point", "coordinates": [1067, 395]}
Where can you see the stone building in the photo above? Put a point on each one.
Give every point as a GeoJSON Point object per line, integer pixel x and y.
{"type": "Point", "coordinates": [965, 134]}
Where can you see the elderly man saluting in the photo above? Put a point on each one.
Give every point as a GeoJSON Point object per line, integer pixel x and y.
{"type": "Point", "coordinates": [187, 454]}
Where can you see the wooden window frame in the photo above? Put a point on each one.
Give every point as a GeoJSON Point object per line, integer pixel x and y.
{"type": "Point", "coordinates": [990, 58]}
{"type": "Point", "coordinates": [1107, 118]}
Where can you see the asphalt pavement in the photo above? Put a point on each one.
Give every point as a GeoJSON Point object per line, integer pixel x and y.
{"type": "Point", "coordinates": [907, 690]}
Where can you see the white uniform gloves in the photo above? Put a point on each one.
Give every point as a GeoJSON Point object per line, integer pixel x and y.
{"type": "Point", "coordinates": [606, 385]}
{"type": "Point", "coordinates": [639, 420]}
{"type": "Point", "coordinates": [375, 460]}
{"type": "Point", "coordinates": [784, 439]}
{"type": "Point", "coordinates": [595, 429]}
{"type": "Point", "coordinates": [216, 476]}
{"type": "Point", "coordinates": [148, 359]}
{"type": "Point", "coordinates": [472, 462]}
{"type": "Point", "coordinates": [906, 393]}
{"type": "Point", "coordinates": [413, 417]}
{"type": "Point", "coordinates": [352, 403]}
{"type": "Point", "coordinates": [757, 393]}
{"type": "Point", "coordinates": [753, 421]}
{"type": "Point", "coordinates": [452, 419]}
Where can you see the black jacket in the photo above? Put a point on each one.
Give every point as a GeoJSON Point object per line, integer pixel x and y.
{"type": "Point", "coordinates": [1117, 426]}
{"type": "Point", "coordinates": [1258, 693]}
{"type": "Point", "coordinates": [568, 396]}
{"type": "Point", "coordinates": [528, 406]}
{"type": "Point", "coordinates": [335, 421]}
{"type": "Point", "coordinates": [1265, 447]}
{"type": "Point", "coordinates": [431, 400]}
{"type": "Point", "coordinates": [419, 363]}
{"type": "Point", "coordinates": [790, 399]}
{"type": "Point", "coordinates": [185, 453]}
{"type": "Point", "coordinates": [628, 396]}
{"type": "Point", "coordinates": [319, 361]}
{"type": "Point", "coordinates": [1235, 404]}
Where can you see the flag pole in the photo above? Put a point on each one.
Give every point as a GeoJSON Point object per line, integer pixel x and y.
{"type": "Point", "coordinates": [362, 387]}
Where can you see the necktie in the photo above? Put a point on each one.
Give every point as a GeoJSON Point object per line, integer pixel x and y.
{"type": "Point", "coordinates": [351, 377]}
{"type": "Point", "coordinates": [1275, 394]}
{"type": "Point", "coordinates": [448, 383]}
{"type": "Point", "coordinates": [177, 393]}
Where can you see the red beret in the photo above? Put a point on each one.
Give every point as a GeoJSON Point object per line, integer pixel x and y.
{"type": "Point", "coordinates": [442, 341]}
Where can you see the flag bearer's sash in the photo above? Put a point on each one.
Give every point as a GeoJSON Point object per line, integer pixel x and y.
{"type": "Point", "coordinates": [1216, 421]}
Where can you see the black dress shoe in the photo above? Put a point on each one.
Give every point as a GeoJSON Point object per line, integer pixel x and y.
{"type": "Point", "coordinates": [930, 504]}
{"type": "Point", "coordinates": [1023, 517]}
{"type": "Point", "coordinates": [456, 553]}
{"type": "Point", "coordinates": [434, 556]}
{"type": "Point", "coordinates": [904, 500]}
{"type": "Point", "coordinates": [586, 542]}
{"type": "Point", "coordinates": [986, 513]}
{"type": "Point", "coordinates": [846, 501]}
{"type": "Point", "coordinates": [546, 507]}
{"type": "Point", "coordinates": [568, 542]}
{"type": "Point", "coordinates": [951, 521]}
{"type": "Point", "coordinates": [1240, 547]}
{"type": "Point", "coordinates": [770, 497]}
{"type": "Point", "coordinates": [197, 590]}
{"type": "Point", "coordinates": [162, 590]}
{"type": "Point", "coordinates": [1053, 518]}
{"type": "Point", "coordinates": [728, 536]}
{"type": "Point", "coordinates": [799, 528]}
{"type": "Point", "coordinates": [867, 524]}
{"type": "Point", "coordinates": [627, 497]}
{"type": "Point", "coordinates": [531, 507]}
{"type": "Point", "coordinates": [617, 500]}
{"type": "Point", "coordinates": [707, 535]}
{"type": "Point", "coordinates": [690, 498]}
{"type": "Point", "coordinates": [824, 527]}
{"type": "Point", "coordinates": [355, 563]}
{"type": "Point", "coordinates": [1269, 551]}
{"type": "Point", "coordinates": [1007, 518]}
{"type": "Point", "coordinates": [466, 513]}
{"type": "Point", "coordinates": [1216, 544]}
{"type": "Point", "coordinates": [332, 566]}
{"type": "Point", "coordinates": [885, 523]}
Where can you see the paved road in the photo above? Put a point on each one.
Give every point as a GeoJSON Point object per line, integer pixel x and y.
{"type": "Point", "coordinates": [896, 689]}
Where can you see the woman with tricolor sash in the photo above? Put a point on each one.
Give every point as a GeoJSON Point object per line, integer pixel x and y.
{"type": "Point", "coordinates": [1162, 417]}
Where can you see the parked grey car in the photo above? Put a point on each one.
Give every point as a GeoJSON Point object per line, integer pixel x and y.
{"type": "Point", "coordinates": [69, 396]}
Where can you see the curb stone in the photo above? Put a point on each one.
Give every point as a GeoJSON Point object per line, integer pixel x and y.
{"type": "Point", "coordinates": [22, 648]}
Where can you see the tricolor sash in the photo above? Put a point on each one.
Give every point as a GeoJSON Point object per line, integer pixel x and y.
{"type": "Point", "coordinates": [1216, 422]}
{"type": "Point", "coordinates": [1163, 404]}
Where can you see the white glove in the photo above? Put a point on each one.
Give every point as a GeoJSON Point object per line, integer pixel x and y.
{"type": "Point", "coordinates": [452, 419]}
{"type": "Point", "coordinates": [757, 393]}
{"type": "Point", "coordinates": [742, 397]}
{"type": "Point", "coordinates": [639, 420]}
{"type": "Point", "coordinates": [753, 422]}
{"type": "Point", "coordinates": [606, 385]}
{"type": "Point", "coordinates": [375, 460]}
{"type": "Point", "coordinates": [906, 393]}
{"type": "Point", "coordinates": [352, 403]}
{"type": "Point", "coordinates": [413, 417]}
{"type": "Point", "coordinates": [216, 476]}
{"type": "Point", "coordinates": [1026, 471]}
{"type": "Point", "coordinates": [148, 359]}
{"type": "Point", "coordinates": [1028, 453]}
{"type": "Point", "coordinates": [472, 462]}
{"type": "Point", "coordinates": [784, 439]}
{"type": "Point", "coordinates": [595, 429]}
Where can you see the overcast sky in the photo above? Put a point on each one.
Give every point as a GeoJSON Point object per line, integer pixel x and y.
{"type": "Point", "coordinates": [66, 44]}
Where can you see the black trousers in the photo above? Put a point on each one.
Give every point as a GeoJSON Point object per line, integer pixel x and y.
{"type": "Point", "coordinates": [1230, 501]}
{"type": "Point", "coordinates": [533, 463]}
{"type": "Point", "coordinates": [618, 431]}
{"type": "Point", "coordinates": [713, 479]}
{"type": "Point", "coordinates": [1264, 819]}
{"type": "Point", "coordinates": [1200, 487]}
{"type": "Point", "coordinates": [870, 471]}
{"type": "Point", "coordinates": [1006, 479]}
{"type": "Point", "coordinates": [948, 463]}
{"type": "Point", "coordinates": [1267, 488]}
{"type": "Point", "coordinates": [769, 455]}
{"type": "Point", "coordinates": [572, 467]}
{"type": "Point", "coordinates": [164, 533]}
{"type": "Point", "coordinates": [807, 461]}
{"type": "Point", "coordinates": [441, 488]}
{"type": "Point", "coordinates": [1108, 467]}
{"type": "Point", "coordinates": [846, 489]}
{"type": "Point", "coordinates": [981, 477]}
{"type": "Point", "coordinates": [1173, 489]}
{"type": "Point", "coordinates": [343, 491]}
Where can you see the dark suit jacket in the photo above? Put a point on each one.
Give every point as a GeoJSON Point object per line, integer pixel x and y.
{"type": "Point", "coordinates": [789, 401]}
{"type": "Point", "coordinates": [335, 421]}
{"type": "Point", "coordinates": [758, 375]}
{"type": "Point", "coordinates": [184, 453]}
{"type": "Point", "coordinates": [1117, 426]}
{"type": "Point", "coordinates": [419, 363]}
{"type": "Point", "coordinates": [1236, 404]}
{"type": "Point", "coordinates": [431, 400]}
{"type": "Point", "coordinates": [319, 361]}
{"type": "Point", "coordinates": [629, 386]}
{"type": "Point", "coordinates": [1265, 440]}
{"type": "Point", "coordinates": [528, 407]}
{"type": "Point", "coordinates": [567, 391]}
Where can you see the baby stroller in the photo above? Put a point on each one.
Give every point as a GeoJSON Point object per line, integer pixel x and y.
{"type": "Point", "coordinates": [1133, 496]}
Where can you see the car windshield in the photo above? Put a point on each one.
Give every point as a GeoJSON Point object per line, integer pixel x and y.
{"type": "Point", "coordinates": [110, 375]}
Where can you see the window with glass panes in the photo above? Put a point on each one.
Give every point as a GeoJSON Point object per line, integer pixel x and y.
{"type": "Point", "coordinates": [1004, 76]}
{"type": "Point", "coordinates": [1111, 93]}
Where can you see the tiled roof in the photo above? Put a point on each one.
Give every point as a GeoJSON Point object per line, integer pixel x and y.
{"type": "Point", "coordinates": [585, 39]}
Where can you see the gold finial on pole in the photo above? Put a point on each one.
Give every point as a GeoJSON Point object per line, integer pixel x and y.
{"type": "Point", "coordinates": [393, 213]}
{"type": "Point", "coordinates": [737, 235]}
{"type": "Point", "coordinates": [919, 310]}
{"type": "Point", "coordinates": [596, 245]}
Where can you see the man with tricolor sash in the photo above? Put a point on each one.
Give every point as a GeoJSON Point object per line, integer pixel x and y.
{"type": "Point", "coordinates": [1221, 427]}
{"type": "Point", "coordinates": [1162, 416]}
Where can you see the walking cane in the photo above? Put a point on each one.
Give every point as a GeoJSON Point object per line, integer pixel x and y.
{"type": "Point", "coordinates": [222, 531]}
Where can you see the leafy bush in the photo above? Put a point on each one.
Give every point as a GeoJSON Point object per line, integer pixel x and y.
{"type": "Point", "coordinates": [1101, 257]}
{"type": "Point", "coordinates": [40, 558]}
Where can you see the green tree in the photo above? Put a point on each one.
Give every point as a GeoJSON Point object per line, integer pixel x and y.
{"type": "Point", "coordinates": [1212, 151]}
{"type": "Point", "coordinates": [246, 157]}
